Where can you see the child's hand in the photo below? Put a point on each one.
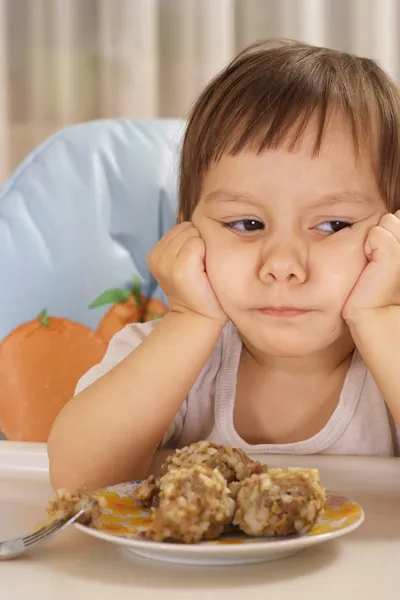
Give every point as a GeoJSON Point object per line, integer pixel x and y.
{"type": "Point", "coordinates": [177, 262]}
{"type": "Point", "coordinates": [378, 286]}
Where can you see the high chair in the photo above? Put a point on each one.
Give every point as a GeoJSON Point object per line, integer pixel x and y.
{"type": "Point", "coordinates": [77, 220]}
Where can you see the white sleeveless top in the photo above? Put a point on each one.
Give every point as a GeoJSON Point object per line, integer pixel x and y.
{"type": "Point", "coordinates": [360, 425]}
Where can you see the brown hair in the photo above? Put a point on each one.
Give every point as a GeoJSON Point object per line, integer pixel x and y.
{"type": "Point", "coordinates": [272, 90]}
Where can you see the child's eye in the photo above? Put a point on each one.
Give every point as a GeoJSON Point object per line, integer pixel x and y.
{"type": "Point", "coordinates": [245, 225]}
{"type": "Point", "coordinates": [333, 226]}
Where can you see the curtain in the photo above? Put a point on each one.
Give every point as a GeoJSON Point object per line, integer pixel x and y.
{"type": "Point", "coordinates": [66, 61]}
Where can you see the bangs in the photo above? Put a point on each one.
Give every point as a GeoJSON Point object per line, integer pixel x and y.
{"type": "Point", "coordinates": [283, 125]}
{"type": "Point", "coordinates": [267, 97]}
{"type": "Point", "coordinates": [278, 112]}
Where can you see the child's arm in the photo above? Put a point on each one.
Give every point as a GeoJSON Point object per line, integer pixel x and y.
{"type": "Point", "coordinates": [377, 336]}
{"type": "Point", "coordinates": [110, 431]}
{"type": "Point", "coordinates": [372, 310]}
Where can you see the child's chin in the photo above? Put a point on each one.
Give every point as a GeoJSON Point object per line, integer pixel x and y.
{"type": "Point", "coordinates": [290, 346]}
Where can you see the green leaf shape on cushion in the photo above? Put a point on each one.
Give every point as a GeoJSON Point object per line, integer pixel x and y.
{"type": "Point", "coordinates": [113, 296]}
{"type": "Point", "coordinates": [119, 295]}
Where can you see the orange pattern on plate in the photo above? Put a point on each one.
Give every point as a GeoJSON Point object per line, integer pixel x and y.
{"type": "Point", "coordinates": [122, 518]}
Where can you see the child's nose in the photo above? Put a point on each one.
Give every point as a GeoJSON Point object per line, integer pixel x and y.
{"type": "Point", "coordinates": [284, 263]}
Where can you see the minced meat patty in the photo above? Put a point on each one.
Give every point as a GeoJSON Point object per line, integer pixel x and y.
{"type": "Point", "coordinates": [194, 505]}
{"type": "Point", "coordinates": [279, 503]}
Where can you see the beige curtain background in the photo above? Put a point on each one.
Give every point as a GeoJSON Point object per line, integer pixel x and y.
{"type": "Point", "coordinates": [66, 61]}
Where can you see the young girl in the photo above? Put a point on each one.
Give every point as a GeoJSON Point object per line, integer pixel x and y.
{"type": "Point", "coordinates": [283, 280]}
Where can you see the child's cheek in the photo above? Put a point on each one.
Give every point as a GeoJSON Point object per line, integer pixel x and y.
{"type": "Point", "coordinates": [340, 267]}
{"type": "Point", "coordinates": [222, 272]}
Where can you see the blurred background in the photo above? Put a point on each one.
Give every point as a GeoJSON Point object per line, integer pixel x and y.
{"type": "Point", "coordinates": [66, 61]}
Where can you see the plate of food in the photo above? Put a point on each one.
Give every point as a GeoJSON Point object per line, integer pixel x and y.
{"type": "Point", "coordinates": [214, 505]}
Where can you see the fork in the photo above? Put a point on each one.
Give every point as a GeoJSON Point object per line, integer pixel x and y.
{"type": "Point", "coordinates": [16, 547]}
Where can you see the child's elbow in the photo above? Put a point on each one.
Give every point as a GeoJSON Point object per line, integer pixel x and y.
{"type": "Point", "coordinates": [60, 474]}
{"type": "Point", "coordinates": [64, 471]}
{"type": "Point", "coordinates": [64, 477]}
{"type": "Point", "coordinates": [58, 481]}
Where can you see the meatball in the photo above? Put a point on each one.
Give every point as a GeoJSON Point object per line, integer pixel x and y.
{"type": "Point", "coordinates": [233, 463]}
{"type": "Point", "coordinates": [194, 505]}
{"type": "Point", "coordinates": [279, 503]}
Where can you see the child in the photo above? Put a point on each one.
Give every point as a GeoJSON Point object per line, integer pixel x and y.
{"type": "Point", "coordinates": [283, 280]}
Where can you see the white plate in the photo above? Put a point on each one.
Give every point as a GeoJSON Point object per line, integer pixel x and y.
{"type": "Point", "coordinates": [122, 521]}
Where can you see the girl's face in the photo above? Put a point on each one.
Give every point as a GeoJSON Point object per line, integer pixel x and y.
{"type": "Point", "coordinates": [284, 234]}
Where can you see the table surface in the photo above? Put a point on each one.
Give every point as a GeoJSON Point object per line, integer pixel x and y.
{"type": "Point", "coordinates": [362, 565]}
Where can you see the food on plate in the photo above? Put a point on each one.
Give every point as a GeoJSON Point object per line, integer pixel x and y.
{"type": "Point", "coordinates": [194, 505]}
{"type": "Point", "coordinates": [146, 493]}
{"type": "Point", "coordinates": [66, 504]}
{"type": "Point", "coordinates": [233, 464]}
{"type": "Point", "coordinates": [206, 489]}
{"type": "Point", "coordinates": [267, 502]}
{"type": "Point", "coordinates": [279, 503]}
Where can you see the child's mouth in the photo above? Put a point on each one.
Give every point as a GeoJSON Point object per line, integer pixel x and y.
{"type": "Point", "coordinates": [283, 311]}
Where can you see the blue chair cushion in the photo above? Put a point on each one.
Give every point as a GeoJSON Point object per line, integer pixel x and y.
{"type": "Point", "coordinates": [80, 215]}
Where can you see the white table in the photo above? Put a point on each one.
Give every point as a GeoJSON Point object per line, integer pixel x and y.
{"type": "Point", "coordinates": [360, 566]}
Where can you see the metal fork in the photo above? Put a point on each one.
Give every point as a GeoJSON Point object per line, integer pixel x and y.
{"type": "Point", "coordinates": [16, 547]}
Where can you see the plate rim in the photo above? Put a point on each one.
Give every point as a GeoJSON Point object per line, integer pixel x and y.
{"type": "Point", "coordinates": [267, 546]}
